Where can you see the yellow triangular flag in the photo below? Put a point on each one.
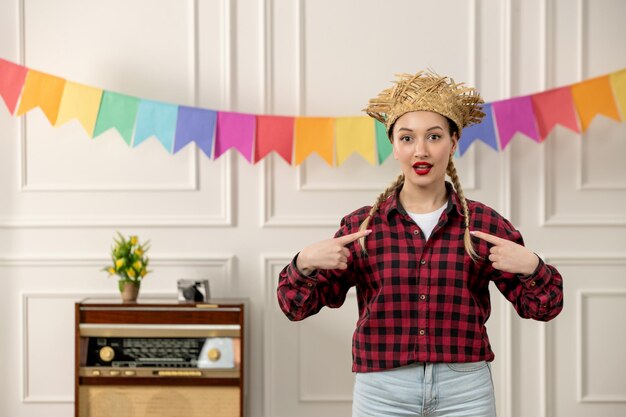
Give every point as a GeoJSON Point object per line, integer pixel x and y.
{"type": "Point", "coordinates": [593, 97]}
{"type": "Point", "coordinates": [314, 134]}
{"type": "Point", "coordinates": [81, 102]}
{"type": "Point", "coordinates": [42, 90]}
{"type": "Point", "coordinates": [618, 81]}
{"type": "Point", "coordinates": [355, 134]}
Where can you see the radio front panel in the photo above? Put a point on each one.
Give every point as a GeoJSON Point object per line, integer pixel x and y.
{"type": "Point", "coordinates": [182, 345]}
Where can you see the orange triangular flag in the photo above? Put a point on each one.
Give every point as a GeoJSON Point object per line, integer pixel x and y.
{"type": "Point", "coordinates": [618, 81]}
{"type": "Point", "coordinates": [593, 97]}
{"type": "Point", "coordinates": [44, 91]}
{"type": "Point", "coordinates": [314, 134]}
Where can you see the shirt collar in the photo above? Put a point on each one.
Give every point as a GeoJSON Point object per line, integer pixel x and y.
{"type": "Point", "coordinates": [392, 203]}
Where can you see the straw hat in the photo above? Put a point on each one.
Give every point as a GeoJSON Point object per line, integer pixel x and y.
{"type": "Point", "coordinates": [430, 92]}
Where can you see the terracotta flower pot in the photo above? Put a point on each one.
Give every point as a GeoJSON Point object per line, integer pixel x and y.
{"type": "Point", "coordinates": [129, 291]}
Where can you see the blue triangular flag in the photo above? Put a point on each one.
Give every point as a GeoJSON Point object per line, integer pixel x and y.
{"type": "Point", "coordinates": [156, 119]}
{"type": "Point", "coordinates": [484, 131]}
{"type": "Point", "coordinates": [195, 125]}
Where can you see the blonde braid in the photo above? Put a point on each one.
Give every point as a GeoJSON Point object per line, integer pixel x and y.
{"type": "Point", "coordinates": [382, 197]}
{"type": "Point", "coordinates": [467, 241]}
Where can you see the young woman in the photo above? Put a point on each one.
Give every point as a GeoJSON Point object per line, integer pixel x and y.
{"type": "Point", "coordinates": [421, 259]}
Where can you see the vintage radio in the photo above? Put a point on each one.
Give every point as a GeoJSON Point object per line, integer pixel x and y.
{"type": "Point", "coordinates": [159, 358]}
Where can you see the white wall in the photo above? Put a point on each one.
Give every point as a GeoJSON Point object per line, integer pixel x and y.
{"type": "Point", "coordinates": [64, 195]}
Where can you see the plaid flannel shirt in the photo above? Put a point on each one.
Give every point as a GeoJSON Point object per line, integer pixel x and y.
{"type": "Point", "coordinates": [421, 301]}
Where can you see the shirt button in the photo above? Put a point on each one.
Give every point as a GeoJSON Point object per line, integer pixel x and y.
{"type": "Point", "coordinates": [309, 284]}
{"type": "Point", "coordinates": [422, 332]}
{"type": "Point", "coordinates": [423, 262]}
{"type": "Point", "coordinates": [422, 297]}
{"type": "Point", "coordinates": [416, 232]}
{"type": "Point", "coordinates": [533, 283]}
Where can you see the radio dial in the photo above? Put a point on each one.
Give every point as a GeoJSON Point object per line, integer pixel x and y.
{"type": "Point", "coordinates": [214, 354]}
{"type": "Point", "coordinates": [107, 353]}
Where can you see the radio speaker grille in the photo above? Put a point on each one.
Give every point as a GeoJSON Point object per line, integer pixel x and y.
{"type": "Point", "coordinates": [158, 401]}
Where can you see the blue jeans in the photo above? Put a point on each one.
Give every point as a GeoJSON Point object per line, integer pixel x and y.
{"type": "Point", "coordinates": [426, 389]}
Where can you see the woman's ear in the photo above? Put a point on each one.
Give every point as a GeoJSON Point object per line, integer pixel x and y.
{"type": "Point", "coordinates": [455, 142]}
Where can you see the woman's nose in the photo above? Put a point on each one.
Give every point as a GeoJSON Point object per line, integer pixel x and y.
{"type": "Point", "coordinates": [421, 149]}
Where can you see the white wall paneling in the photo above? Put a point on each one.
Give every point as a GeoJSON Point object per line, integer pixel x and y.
{"type": "Point", "coordinates": [315, 181]}
{"type": "Point", "coordinates": [126, 186]}
{"type": "Point", "coordinates": [302, 354]}
{"type": "Point", "coordinates": [47, 318]}
{"type": "Point", "coordinates": [594, 156]}
{"type": "Point", "coordinates": [238, 224]}
{"type": "Point", "coordinates": [584, 365]}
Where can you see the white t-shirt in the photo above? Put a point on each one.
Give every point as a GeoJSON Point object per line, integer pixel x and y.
{"type": "Point", "coordinates": [427, 221]}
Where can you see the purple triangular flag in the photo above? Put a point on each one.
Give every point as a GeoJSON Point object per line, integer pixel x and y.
{"type": "Point", "coordinates": [484, 131]}
{"type": "Point", "coordinates": [515, 115]}
{"type": "Point", "coordinates": [195, 125]}
{"type": "Point", "coordinates": [235, 130]}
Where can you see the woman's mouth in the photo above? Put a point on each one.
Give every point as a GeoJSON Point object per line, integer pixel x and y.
{"type": "Point", "coordinates": [422, 168]}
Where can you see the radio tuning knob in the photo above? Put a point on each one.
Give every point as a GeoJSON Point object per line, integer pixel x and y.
{"type": "Point", "coordinates": [214, 354]}
{"type": "Point", "coordinates": [107, 353]}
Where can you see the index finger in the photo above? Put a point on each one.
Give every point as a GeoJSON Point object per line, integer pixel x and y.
{"type": "Point", "coordinates": [344, 240]}
{"type": "Point", "coordinates": [489, 238]}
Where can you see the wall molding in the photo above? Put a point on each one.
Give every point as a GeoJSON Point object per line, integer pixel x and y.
{"type": "Point", "coordinates": [506, 39]}
{"type": "Point", "coordinates": [224, 261]}
{"type": "Point", "coordinates": [547, 216]}
{"type": "Point", "coordinates": [268, 216]}
{"type": "Point", "coordinates": [192, 86]}
{"type": "Point", "coordinates": [268, 263]}
{"type": "Point", "coordinates": [318, 399]}
{"type": "Point", "coordinates": [546, 35]}
{"type": "Point", "coordinates": [224, 218]}
{"type": "Point", "coordinates": [582, 396]}
{"type": "Point", "coordinates": [582, 7]}
{"type": "Point", "coordinates": [78, 260]}
{"type": "Point", "coordinates": [26, 396]}
{"type": "Point", "coordinates": [547, 377]}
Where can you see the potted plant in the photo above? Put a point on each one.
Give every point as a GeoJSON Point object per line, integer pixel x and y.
{"type": "Point", "coordinates": [130, 264]}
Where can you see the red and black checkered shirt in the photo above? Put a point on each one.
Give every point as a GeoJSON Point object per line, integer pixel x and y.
{"type": "Point", "coordinates": [421, 301]}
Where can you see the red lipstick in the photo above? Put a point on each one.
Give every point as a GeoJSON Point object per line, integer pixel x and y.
{"type": "Point", "coordinates": [422, 168]}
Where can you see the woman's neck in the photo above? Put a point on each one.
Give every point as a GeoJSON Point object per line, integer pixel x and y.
{"type": "Point", "coordinates": [420, 200]}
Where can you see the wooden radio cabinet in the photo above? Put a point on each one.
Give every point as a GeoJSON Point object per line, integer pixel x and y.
{"type": "Point", "coordinates": [159, 358]}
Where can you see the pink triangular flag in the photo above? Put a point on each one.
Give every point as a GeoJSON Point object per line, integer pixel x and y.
{"type": "Point", "coordinates": [515, 115]}
{"type": "Point", "coordinates": [234, 130]}
{"type": "Point", "coordinates": [12, 77]}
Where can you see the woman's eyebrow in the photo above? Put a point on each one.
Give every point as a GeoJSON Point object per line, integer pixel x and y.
{"type": "Point", "coordinates": [428, 130]}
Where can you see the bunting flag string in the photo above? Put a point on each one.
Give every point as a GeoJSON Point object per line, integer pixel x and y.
{"type": "Point", "coordinates": [294, 138]}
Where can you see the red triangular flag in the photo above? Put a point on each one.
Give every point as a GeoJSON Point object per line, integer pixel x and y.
{"type": "Point", "coordinates": [12, 77]}
{"type": "Point", "coordinates": [274, 133]}
{"type": "Point", "coordinates": [554, 107]}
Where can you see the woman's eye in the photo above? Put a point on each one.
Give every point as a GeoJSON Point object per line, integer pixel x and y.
{"type": "Point", "coordinates": [405, 138]}
{"type": "Point", "coordinates": [434, 137]}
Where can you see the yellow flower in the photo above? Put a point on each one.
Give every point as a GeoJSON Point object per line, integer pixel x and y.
{"type": "Point", "coordinates": [129, 260]}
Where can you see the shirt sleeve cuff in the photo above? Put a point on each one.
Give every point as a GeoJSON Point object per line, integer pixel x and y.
{"type": "Point", "coordinates": [537, 279]}
{"type": "Point", "coordinates": [297, 277]}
